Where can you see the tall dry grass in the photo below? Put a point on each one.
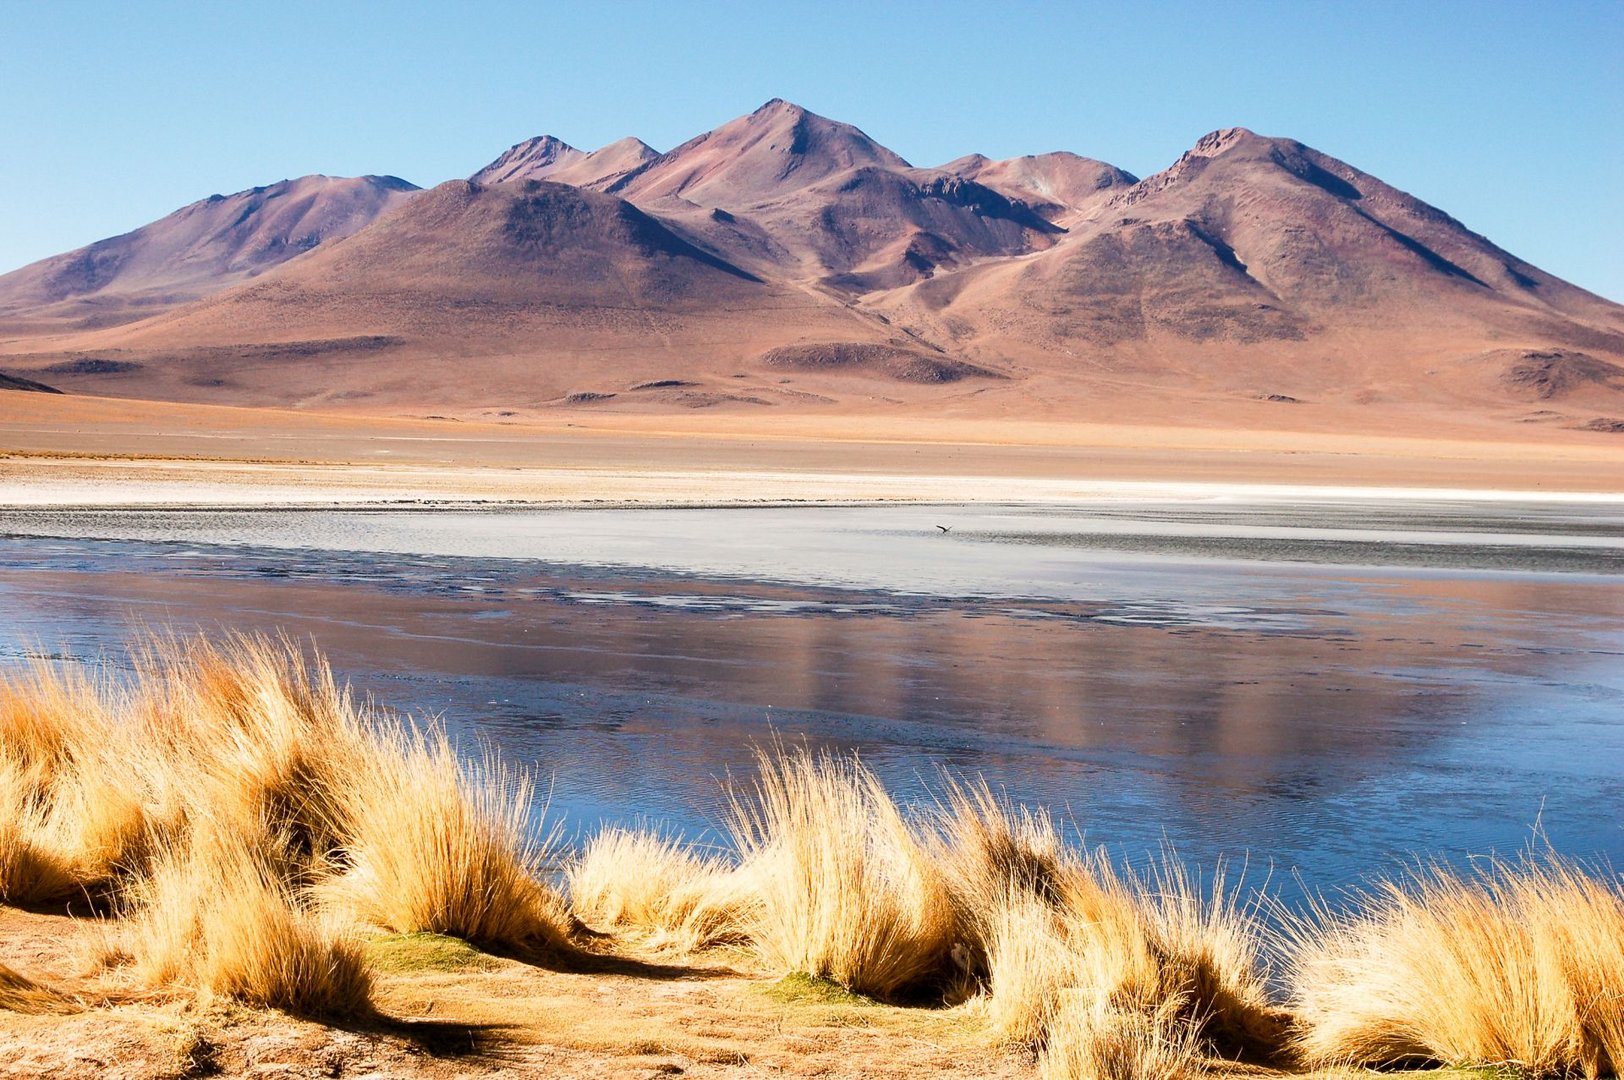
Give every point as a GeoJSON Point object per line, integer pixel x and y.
{"type": "Point", "coordinates": [1150, 948]}
{"type": "Point", "coordinates": [1519, 965]}
{"type": "Point", "coordinates": [257, 733]}
{"type": "Point", "coordinates": [1091, 1039]}
{"type": "Point", "coordinates": [215, 913]}
{"type": "Point", "coordinates": [844, 885]}
{"type": "Point", "coordinates": [74, 801]}
{"type": "Point", "coordinates": [973, 897]}
{"type": "Point", "coordinates": [240, 804]}
{"type": "Point", "coordinates": [1067, 946]}
{"type": "Point", "coordinates": [640, 881]}
{"type": "Point", "coordinates": [433, 843]}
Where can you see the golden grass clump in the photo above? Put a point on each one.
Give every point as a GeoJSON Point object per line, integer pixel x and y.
{"type": "Point", "coordinates": [236, 801]}
{"type": "Point", "coordinates": [438, 845]}
{"type": "Point", "coordinates": [845, 886]}
{"type": "Point", "coordinates": [1212, 949]}
{"type": "Point", "coordinates": [215, 914]}
{"type": "Point", "coordinates": [257, 733]}
{"type": "Point", "coordinates": [74, 810]}
{"type": "Point", "coordinates": [988, 848]}
{"type": "Point", "coordinates": [1089, 1039]}
{"type": "Point", "coordinates": [1516, 965]}
{"type": "Point", "coordinates": [1047, 925]}
{"type": "Point", "coordinates": [640, 881]}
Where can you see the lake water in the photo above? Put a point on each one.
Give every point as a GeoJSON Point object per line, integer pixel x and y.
{"type": "Point", "coordinates": [1324, 689]}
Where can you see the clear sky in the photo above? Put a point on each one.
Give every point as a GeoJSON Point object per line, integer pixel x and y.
{"type": "Point", "coordinates": [1508, 115]}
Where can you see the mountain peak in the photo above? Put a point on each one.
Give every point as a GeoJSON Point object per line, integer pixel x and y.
{"type": "Point", "coordinates": [606, 167]}
{"type": "Point", "coordinates": [1236, 146]}
{"type": "Point", "coordinates": [1221, 141]}
{"type": "Point", "coordinates": [778, 105]}
{"type": "Point", "coordinates": [631, 144]}
{"type": "Point", "coordinates": [528, 160]}
{"type": "Point", "coordinates": [780, 147]}
{"type": "Point", "coordinates": [1057, 184]}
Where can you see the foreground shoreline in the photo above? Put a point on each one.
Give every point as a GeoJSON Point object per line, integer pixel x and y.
{"type": "Point", "coordinates": [392, 909]}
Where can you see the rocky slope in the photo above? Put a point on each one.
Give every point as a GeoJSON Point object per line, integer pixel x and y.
{"type": "Point", "coordinates": [200, 249]}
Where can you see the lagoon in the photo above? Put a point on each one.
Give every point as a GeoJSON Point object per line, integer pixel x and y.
{"type": "Point", "coordinates": [1325, 689]}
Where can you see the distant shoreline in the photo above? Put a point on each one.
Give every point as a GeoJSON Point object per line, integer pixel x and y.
{"type": "Point", "coordinates": [58, 484]}
{"type": "Point", "coordinates": [101, 453]}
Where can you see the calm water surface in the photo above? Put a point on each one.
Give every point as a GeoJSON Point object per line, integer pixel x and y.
{"type": "Point", "coordinates": [1326, 689]}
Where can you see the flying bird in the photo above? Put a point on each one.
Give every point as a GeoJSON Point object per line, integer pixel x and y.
{"type": "Point", "coordinates": [945, 528]}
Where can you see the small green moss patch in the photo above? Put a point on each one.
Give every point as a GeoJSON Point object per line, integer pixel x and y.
{"type": "Point", "coordinates": [407, 954]}
{"type": "Point", "coordinates": [799, 988]}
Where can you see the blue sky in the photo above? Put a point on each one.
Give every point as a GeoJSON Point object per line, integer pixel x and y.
{"type": "Point", "coordinates": [1510, 116]}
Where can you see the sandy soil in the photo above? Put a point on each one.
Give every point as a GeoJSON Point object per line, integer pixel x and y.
{"type": "Point", "coordinates": [451, 1012]}
{"type": "Point", "coordinates": [456, 1012]}
{"type": "Point", "coordinates": [87, 451]}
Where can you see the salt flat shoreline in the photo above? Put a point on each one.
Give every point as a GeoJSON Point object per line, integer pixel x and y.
{"type": "Point", "coordinates": [154, 485]}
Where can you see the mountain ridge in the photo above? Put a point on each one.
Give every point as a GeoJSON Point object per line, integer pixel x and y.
{"type": "Point", "coordinates": [208, 244]}
{"type": "Point", "coordinates": [786, 259]}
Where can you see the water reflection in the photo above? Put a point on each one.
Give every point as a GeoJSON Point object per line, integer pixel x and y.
{"type": "Point", "coordinates": [1324, 718]}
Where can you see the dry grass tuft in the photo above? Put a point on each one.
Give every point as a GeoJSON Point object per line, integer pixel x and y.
{"type": "Point", "coordinates": [257, 733]}
{"type": "Point", "coordinates": [73, 800]}
{"type": "Point", "coordinates": [438, 845]}
{"type": "Point", "coordinates": [1089, 1039]}
{"type": "Point", "coordinates": [1044, 924]}
{"type": "Point", "coordinates": [214, 914]}
{"type": "Point", "coordinates": [19, 993]}
{"type": "Point", "coordinates": [990, 850]}
{"type": "Point", "coordinates": [846, 888]}
{"type": "Point", "coordinates": [1519, 966]}
{"type": "Point", "coordinates": [640, 881]}
{"type": "Point", "coordinates": [236, 801]}
{"type": "Point", "coordinates": [1211, 951]}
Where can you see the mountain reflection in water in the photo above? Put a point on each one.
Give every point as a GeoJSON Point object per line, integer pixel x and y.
{"type": "Point", "coordinates": [1322, 720]}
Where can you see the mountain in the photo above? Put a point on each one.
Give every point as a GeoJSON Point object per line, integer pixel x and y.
{"type": "Point", "coordinates": [547, 158]}
{"type": "Point", "coordinates": [1061, 186]}
{"type": "Point", "coordinates": [778, 149]}
{"type": "Point", "coordinates": [792, 194]}
{"type": "Point", "coordinates": [529, 160]}
{"type": "Point", "coordinates": [607, 168]}
{"type": "Point", "coordinates": [524, 291]}
{"type": "Point", "coordinates": [1260, 265]}
{"type": "Point", "coordinates": [788, 260]}
{"type": "Point", "coordinates": [199, 249]}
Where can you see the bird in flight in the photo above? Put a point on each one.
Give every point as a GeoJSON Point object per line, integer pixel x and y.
{"type": "Point", "coordinates": [945, 528]}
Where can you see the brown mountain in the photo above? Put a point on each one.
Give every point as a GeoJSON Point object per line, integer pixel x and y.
{"type": "Point", "coordinates": [788, 260]}
{"type": "Point", "coordinates": [1258, 264]}
{"type": "Point", "coordinates": [199, 249]}
{"type": "Point", "coordinates": [792, 194]}
{"type": "Point", "coordinates": [522, 292]}
{"type": "Point", "coordinates": [547, 158]}
{"type": "Point", "coordinates": [1061, 186]}
{"type": "Point", "coordinates": [532, 159]}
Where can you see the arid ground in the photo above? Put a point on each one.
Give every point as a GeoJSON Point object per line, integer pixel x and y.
{"type": "Point", "coordinates": [448, 1010]}
{"type": "Point", "coordinates": [68, 450]}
